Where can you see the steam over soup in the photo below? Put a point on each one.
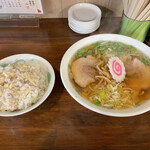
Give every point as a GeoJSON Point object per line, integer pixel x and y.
{"type": "Point", "coordinates": [111, 74]}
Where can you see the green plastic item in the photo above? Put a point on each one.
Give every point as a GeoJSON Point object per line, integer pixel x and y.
{"type": "Point", "coordinates": [134, 28]}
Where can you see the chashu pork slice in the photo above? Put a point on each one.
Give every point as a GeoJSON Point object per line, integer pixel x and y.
{"type": "Point", "coordinates": [138, 75]}
{"type": "Point", "coordinates": [83, 70]}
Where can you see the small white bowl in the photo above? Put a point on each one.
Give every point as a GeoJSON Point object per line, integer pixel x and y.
{"type": "Point", "coordinates": [49, 69]}
{"type": "Point", "coordinates": [84, 13]}
{"type": "Point", "coordinates": [89, 40]}
{"type": "Point", "coordinates": [84, 16]}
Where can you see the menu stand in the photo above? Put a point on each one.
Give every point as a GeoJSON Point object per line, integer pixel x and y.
{"type": "Point", "coordinates": [17, 20]}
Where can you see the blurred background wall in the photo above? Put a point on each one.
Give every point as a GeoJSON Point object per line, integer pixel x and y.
{"type": "Point", "coordinates": [59, 8]}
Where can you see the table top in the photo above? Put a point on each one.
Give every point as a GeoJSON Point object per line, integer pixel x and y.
{"type": "Point", "coordinates": [60, 122]}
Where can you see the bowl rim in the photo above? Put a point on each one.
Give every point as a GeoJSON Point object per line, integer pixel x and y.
{"type": "Point", "coordinates": [27, 56]}
{"type": "Point", "coordinates": [66, 82]}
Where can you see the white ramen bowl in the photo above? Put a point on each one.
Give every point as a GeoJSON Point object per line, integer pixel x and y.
{"type": "Point", "coordinates": [51, 80]}
{"type": "Point", "coordinates": [69, 87]}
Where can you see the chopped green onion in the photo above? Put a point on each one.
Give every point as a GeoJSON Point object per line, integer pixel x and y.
{"type": "Point", "coordinates": [90, 52]}
{"type": "Point", "coordinates": [97, 102]}
{"type": "Point", "coordinates": [145, 60]}
{"type": "Point", "coordinates": [96, 44]}
{"type": "Point", "coordinates": [132, 49]}
{"type": "Point", "coordinates": [79, 55]}
{"type": "Point", "coordinates": [102, 94]}
{"type": "Point", "coordinates": [82, 50]}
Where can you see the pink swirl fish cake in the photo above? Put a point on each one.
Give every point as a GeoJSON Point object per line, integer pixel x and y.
{"type": "Point", "coordinates": [117, 69]}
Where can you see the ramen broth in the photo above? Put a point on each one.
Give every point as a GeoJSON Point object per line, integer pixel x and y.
{"type": "Point", "coordinates": [99, 87]}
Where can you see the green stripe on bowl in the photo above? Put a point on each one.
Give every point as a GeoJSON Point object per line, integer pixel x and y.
{"type": "Point", "coordinates": [49, 77]}
{"type": "Point", "coordinates": [69, 66]}
{"type": "Point", "coordinates": [4, 65]}
{"type": "Point", "coordinates": [19, 61]}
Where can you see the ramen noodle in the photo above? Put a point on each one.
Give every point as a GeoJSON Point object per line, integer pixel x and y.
{"type": "Point", "coordinates": [111, 74]}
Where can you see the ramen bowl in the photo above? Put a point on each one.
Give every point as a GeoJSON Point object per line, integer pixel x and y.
{"type": "Point", "coordinates": [48, 73]}
{"type": "Point", "coordinates": [65, 63]}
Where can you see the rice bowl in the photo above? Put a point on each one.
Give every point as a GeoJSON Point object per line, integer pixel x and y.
{"type": "Point", "coordinates": [28, 81]}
